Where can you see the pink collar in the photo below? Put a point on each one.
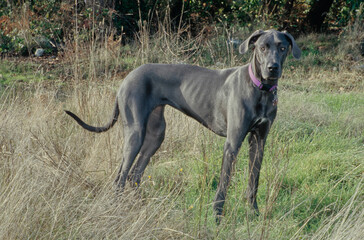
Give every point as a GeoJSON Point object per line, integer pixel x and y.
{"type": "Point", "coordinates": [259, 84]}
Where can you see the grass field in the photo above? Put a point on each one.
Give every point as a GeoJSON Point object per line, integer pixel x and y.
{"type": "Point", "coordinates": [56, 179]}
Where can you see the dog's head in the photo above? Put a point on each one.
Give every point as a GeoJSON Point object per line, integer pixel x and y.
{"type": "Point", "coordinates": [271, 48]}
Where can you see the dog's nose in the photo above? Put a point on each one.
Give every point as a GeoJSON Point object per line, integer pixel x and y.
{"type": "Point", "coordinates": [273, 67]}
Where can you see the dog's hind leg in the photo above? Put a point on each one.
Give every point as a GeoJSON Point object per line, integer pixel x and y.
{"type": "Point", "coordinates": [153, 139]}
{"type": "Point", "coordinates": [135, 117]}
{"type": "Point", "coordinates": [133, 141]}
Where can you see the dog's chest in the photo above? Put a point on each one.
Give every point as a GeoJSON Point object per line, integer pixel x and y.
{"type": "Point", "coordinates": [265, 105]}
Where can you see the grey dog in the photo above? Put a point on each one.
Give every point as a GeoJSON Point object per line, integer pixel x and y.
{"type": "Point", "coordinates": [230, 102]}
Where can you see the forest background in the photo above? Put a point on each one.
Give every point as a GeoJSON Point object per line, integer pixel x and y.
{"type": "Point", "coordinates": [26, 24]}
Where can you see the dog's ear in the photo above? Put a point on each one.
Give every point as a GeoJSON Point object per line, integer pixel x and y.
{"type": "Point", "coordinates": [296, 51]}
{"type": "Point", "coordinates": [244, 47]}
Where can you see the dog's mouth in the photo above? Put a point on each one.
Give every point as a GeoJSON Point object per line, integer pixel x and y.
{"type": "Point", "coordinates": [272, 76]}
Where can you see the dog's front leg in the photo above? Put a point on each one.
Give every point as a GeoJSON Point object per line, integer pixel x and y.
{"type": "Point", "coordinates": [256, 140]}
{"type": "Point", "coordinates": [231, 149]}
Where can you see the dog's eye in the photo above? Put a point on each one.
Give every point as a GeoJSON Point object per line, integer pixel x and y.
{"type": "Point", "coordinates": [283, 49]}
{"type": "Point", "coordinates": [262, 49]}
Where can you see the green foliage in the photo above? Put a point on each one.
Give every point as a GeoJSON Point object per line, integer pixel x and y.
{"type": "Point", "coordinates": [343, 12]}
{"type": "Point", "coordinates": [26, 25]}
{"type": "Point", "coordinates": [60, 21]}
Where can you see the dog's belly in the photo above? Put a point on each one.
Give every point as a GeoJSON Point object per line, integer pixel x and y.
{"type": "Point", "coordinates": [208, 118]}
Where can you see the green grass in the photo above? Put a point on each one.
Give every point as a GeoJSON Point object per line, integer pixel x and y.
{"type": "Point", "coordinates": [315, 155]}
{"type": "Point", "coordinates": [15, 71]}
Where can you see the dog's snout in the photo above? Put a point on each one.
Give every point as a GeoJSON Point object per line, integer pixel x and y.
{"type": "Point", "coordinates": [273, 67]}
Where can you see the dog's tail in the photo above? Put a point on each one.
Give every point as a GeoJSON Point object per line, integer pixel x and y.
{"type": "Point", "coordinates": [98, 129]}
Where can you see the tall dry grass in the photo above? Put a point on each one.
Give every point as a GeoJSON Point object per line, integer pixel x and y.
{"type": "Point", "coordinates": [56, 180]}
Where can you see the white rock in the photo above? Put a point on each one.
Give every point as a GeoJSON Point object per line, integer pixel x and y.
{"type": "Point", "coordinates": [39, 52]}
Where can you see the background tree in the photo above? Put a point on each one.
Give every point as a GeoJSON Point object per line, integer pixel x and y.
{"type": "Point", "coordinates": [318, 11]}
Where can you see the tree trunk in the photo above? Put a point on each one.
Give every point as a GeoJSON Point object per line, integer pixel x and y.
{"type": "Point", "coordinates": [288, 6]}
{"type": "Point", "coordinates": [316, 15]}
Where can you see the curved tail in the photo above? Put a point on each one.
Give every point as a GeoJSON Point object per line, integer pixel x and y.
{"type": "Point", "coordinates": [97, 129]}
